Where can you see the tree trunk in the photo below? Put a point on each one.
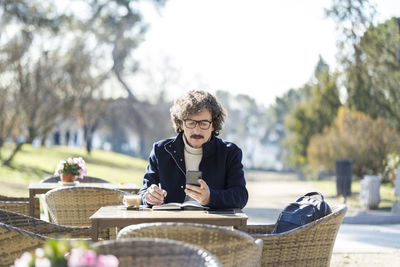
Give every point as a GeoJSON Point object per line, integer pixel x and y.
{"type": "Point", "coordinates": [89, 144]}
{"type": "Point", "coordinates": [43, 140]}
{"type": "Point", "coordinates": [16, 149]}
{"type": "Point", "coordinates": [31, 135]}
{"type": "Point", "coordinates": [1, 145]}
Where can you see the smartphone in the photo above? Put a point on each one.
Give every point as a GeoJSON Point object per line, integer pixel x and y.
{"type": "Point", "coordinates": [192, 177]}
{"type": "Point", "coordinates": [221, 211]}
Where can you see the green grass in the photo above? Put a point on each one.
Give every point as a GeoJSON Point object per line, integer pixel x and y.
{"type": "Point", "coordinates": [35, 163]}
{"type": "Point", "coordinates": [386, 193]}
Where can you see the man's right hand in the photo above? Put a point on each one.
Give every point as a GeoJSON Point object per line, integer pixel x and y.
{"type": "Point", "coordinates": [155, 195]}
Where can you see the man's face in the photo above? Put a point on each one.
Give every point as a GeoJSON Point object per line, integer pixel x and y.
{"type": "Point", "coordinates": [197, 136]}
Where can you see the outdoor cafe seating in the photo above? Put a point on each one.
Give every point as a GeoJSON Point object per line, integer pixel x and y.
{"type": "Point", "coordinates": [20, 233]}
{"type": "Point", "coordinates": [74, 205]}
{"type": "Point", "coordinates": [19, 205]}
{"type": "Point", "coordinates": [157, 252]}
{"type": "Point", "coordinates": [232, 247]}
{"type": "Point", "coordinates": [57, 179]}
{"type": "Point", "coordinates": [308, 245]}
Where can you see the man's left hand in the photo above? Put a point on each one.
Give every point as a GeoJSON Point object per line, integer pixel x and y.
{"type": "Point", "coordinates": [200, 193]}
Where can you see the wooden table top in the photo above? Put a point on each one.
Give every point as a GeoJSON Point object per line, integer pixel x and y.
{"type": "Point", "coordinates": [119, 216]}
{"type": "Point", "coordinates": [148, 215]}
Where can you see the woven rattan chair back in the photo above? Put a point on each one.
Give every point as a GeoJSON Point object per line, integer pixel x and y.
{"type": "Point", "coordinates": [19, 205]}
{"type": "Point", "coordinates": [41, 227]}
{"type": "Point", "coordinates": [230, 246]}
{"type": "Point", "coordinates": [14, 242]}
{"type": "Point", "coordinates": [157, 252]}
{"type": "Point", "coordinates": [308, 245]}
{"type": "Point", "coordinates": [86, 179]}
{"type": "Point", "coordinates": [20, 233]}
{"type": "Point", "coordinates": [74, 205]}
{"type": "Point", "coordinates": [56, 179]}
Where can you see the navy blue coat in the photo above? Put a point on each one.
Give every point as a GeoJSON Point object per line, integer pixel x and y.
{"type": "Point", "coordinates": [221, 167]}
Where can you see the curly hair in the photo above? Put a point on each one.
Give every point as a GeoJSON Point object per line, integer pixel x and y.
{"type": "Point", "coordinates": [194, 102]}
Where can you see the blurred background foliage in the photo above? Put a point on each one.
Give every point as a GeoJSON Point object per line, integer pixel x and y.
{"type": "Point", "coordinates": [60, 71]}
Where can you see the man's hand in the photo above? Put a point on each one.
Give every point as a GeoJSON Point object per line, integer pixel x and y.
{"type": "Point", "coordinates": [155, 195]}
{"type": "Point", "coordinates": [200, 193]}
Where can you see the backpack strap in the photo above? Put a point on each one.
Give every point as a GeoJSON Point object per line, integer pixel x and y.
{"type": "Point", "coordinates": [311, 194]}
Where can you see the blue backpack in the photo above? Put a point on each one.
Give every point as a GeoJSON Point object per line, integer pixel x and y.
{"type": "Point", "coordinates": [305, 210]}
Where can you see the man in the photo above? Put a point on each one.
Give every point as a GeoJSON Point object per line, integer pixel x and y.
{"type": "Point", "coordinates": [197, 117]}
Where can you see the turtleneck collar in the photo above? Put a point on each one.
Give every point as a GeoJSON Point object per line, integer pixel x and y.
{"type": "Point", "coordinates": [191, 150]}
{"type": "Point", "coordinates": [178, 144]}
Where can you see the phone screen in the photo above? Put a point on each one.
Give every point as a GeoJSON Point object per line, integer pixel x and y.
{"type": "Point", "coordinates": [192, 177]}
{"type": "Point", "coordinates": [221, 211]}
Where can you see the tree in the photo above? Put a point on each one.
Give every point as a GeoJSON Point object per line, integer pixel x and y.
{"type": "Point", "coordinates": [21, 20]}
{"type": "Point", "coordinates": [354, 136]}
{"type": "Point", "coordinates": [118, 29]}
{"type": "Point", "coordinates": [118, 25]}
{"type": "Point", "coordinates": [382, 70]}
{"type": "Point", "coordinates": [275, 116]}
{"type": "Point", "coordinates": [353, 18]}
{"type": "Point", "coordinates": [10, 118]}
{"type": "Point", "coordinates": [310, 118]}
{"type": "Point", "coordinates": [88, 47]}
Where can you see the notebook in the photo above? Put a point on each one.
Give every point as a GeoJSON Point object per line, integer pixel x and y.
{"type": "Point", "coordinates": [187, 205]}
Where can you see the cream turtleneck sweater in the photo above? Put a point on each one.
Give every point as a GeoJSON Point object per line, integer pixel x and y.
{"type": "Point", "coordinates": [192, 159]}
{"type": "Point", "coordinates": [192, 156]}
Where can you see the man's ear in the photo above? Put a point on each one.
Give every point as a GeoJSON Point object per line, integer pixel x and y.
{"type": "Point", "coordinates": [180, 129]}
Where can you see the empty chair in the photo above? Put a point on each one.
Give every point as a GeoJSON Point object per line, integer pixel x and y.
{"type": "Point", "coordinates": [157, 252]}
{"type": "Point", "coordinates": [19, 205]}
{"type": "Point", "coordinates": [74, 205]}
{"type": "Point", "coordinates": [41, 227]}
{"type": "Point", "coordinates": [20, 233]}
{"type": "Point", "coordinates": [308, 245]}
{"type": "Point", "coordinates": [230, 246]}
{"type": "Point", "coordinates": [56, 179]}
{"type": "Point", "coordinates": [86, 179]}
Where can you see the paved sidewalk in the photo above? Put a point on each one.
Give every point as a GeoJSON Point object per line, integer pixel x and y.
{"type": "Point", "coordinates": [270, 192]}
{"type": "Point", "coordinates": [366, 238]}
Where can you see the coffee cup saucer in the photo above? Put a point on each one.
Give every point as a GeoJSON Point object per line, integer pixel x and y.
{"type": "Point", "coordinates": [131, 207]}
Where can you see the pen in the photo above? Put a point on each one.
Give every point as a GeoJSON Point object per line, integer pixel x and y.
{"type": "Point", "coordinates": [159, 185]}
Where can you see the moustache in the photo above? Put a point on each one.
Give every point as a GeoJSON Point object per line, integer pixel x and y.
{"type": "Point", "coordinates": [196, 136]}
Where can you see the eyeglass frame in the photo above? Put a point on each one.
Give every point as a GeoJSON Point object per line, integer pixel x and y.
{"type": "Point", "coordinates": [198, 123]}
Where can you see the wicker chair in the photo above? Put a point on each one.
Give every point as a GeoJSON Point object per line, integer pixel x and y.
{"type": "Point", "coordinates": [19, 204]}
{"type": "Point", "coordinates": [86, 179]}
{"type": "Point", "coordinates": [20, 233]}
{"type": "Point", "coordinates": [230, 246]}
{"type": "Point", "coordinates": [157, 252]}
{"type": "Point", "coordinates": [74, 205]}
{"type": "Point", "coordinates": [56, 179]}
{"type": "Point", "coordinates": [308, 245]}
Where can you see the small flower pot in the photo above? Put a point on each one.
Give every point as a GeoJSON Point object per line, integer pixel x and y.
{"type": "Point", "coordinates": [67, 178]}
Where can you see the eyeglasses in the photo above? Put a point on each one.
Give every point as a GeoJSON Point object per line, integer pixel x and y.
{"type": "Point", "coordinates": [203, 124]}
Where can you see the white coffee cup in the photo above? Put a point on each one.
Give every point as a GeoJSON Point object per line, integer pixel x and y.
{"type": "Point", "coordinates": [132, 200]}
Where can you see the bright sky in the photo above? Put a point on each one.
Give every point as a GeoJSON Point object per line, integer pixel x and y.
{"type": "Point", "coordinates": [255, 47]}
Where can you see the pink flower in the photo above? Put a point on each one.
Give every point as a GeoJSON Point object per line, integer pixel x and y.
{"type": "Point", "coordinates": [24, 260]}
{"type": "Point", "coordinates": [80, 258]}
{"type": "Point", "coordinates": [88, 258]}
{"type": "Point", "coordinates": [82, 172]}
{"type": "Point", "coordinates": [107, 261]}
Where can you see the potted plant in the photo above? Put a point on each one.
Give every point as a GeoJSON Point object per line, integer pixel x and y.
{"type": "Point", "coordinates": [63, 253]}
{"type": "Point", "coordinates": [71, 169]}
